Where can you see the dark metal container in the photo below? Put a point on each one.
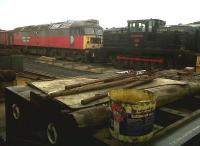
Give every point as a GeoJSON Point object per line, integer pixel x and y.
{"type": "Point", "coordinates": [41, 122]}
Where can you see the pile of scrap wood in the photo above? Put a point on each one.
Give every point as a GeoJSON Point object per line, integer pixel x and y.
{"type": "Point", "coordinates": [45, 59]}
{"type": "Point", "coordinates": [64, 110]}
{"type": "Point", "coordinates": [87, 97]}
{"type": "Point", "coordinates": [186, 74]}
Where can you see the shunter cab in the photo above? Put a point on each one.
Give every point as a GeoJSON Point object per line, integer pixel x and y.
{"type": "Point", "coordinates": [143, 32]}
{"type": "Point", "coordinates": [137, 34]}
{"type": "Point", "coordinates": [134, 45]}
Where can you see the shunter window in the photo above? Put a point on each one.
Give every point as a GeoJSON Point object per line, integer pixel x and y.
{"type": "Point", "coordinates": [133, 27]}
{"type": "Point", "coordinates": [150, 26]}
{"type": "Point", "coordinates": [141, 27]}
{"type": "Point", "coordinates": [137, 27]}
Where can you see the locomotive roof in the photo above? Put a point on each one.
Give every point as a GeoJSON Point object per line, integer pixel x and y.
{"type": "Point", "coordinates": [179, 28]}
{"type": "Point", "coordinates": [142, 20]}
{"type": "Point", "coordinates": [197, 22]}
{"type": "Point", "coordinates": [194, 24]}
{"type": "Point", "coordinates": [60, 25]}
{"type": "Point", "coordinates": [116, 30]}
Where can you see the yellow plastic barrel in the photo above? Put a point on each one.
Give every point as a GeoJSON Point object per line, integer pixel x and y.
{"type": "Point", "coordinates": [131, 114]}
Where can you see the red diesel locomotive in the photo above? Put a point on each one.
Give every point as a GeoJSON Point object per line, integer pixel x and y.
{"type": "Point", "coordinates": [70, 39]}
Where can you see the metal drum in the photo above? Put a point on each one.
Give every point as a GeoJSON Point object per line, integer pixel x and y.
{"type": "Point", "coordinates": [132, 114]}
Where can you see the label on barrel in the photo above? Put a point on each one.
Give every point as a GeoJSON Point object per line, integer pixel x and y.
{"type": "Point", "coordinates": [132, 119]}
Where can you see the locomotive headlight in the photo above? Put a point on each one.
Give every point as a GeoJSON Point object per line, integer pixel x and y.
{"type": "Point", "coordinates": [88, 40]}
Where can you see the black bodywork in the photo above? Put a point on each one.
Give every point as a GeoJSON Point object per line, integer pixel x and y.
{"type": "Point", "coordinates": [151, 39]}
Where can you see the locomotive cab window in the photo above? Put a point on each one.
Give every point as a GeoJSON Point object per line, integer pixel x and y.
{"type": "Point", "coordinates": [151, 25]}
{"type": "Point", "coordinates": [141, 27]}
{"type": "Point", "coordinates": [133, 27]}
{"type": "Point", "coordinates": [137, 27]}
{"type": "Point", "coordinates": [89, 30]}
{"type": "Point", "coordinates": [98, 31]}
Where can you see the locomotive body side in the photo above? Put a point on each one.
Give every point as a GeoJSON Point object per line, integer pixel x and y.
{"type": "Point", "coordinates": [59, 35]}
{"type": "Point", "coordinates": [180, 37]}
{"type": "Point", "coordinates": [74, 39]}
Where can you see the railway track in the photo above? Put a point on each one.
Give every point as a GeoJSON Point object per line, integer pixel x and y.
{"type": "Point", "coordinates": [74, 66]}
{"type": "Point", "coordinates": [35, 76]}
{"type": "Point", "coordinates": [50, 70]}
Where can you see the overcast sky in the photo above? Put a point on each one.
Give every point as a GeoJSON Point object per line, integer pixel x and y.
{"type": "Point", "coordinates": [110, 13]}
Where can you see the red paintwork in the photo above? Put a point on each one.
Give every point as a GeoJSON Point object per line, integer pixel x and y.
{"type": "Point", "coordinates": [49, 41]}
{"type": "Point", "coordinates": [137, 39]}
{"type": "Point", "coordinates": [17, 39]}
{"type": "Point", "coordinates": [136, 59]}
{"type": "Point", "coordinates": [135, 35]}
{"type": "Point", "coordinates": [4, 38]}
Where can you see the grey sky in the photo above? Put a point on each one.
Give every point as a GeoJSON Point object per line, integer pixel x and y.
{"type": "Point", "coordinates": [110, 13]}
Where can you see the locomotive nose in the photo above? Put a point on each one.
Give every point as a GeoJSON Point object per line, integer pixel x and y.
{"type": "Point", "coordinates": [96, 41]}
